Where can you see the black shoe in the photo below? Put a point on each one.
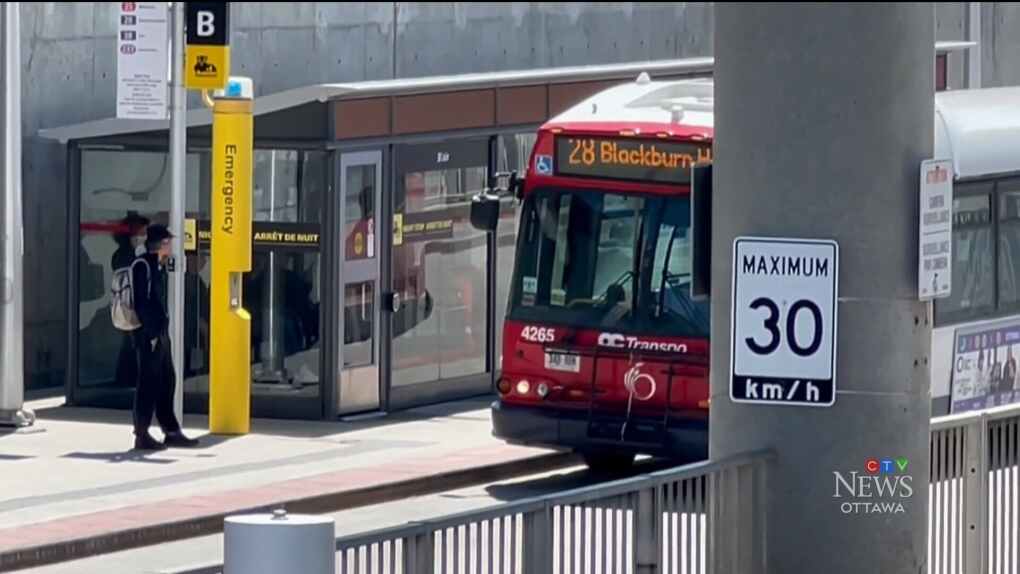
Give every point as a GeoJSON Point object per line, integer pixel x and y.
{"type": "Point", "coordinates": [146, 442]}
{"type": "Point", "coordinates": [179, 440]}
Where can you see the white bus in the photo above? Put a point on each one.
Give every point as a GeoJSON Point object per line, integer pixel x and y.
{"type": "Point", "coordinates": [976, 339]}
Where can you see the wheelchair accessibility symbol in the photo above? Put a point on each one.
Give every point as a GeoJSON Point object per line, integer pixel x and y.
{"type": "Point", "coordinates": [544, 164]}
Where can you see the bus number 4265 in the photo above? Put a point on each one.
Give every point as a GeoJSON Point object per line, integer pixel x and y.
{"type": "Point", "coordinates": [538, 334]}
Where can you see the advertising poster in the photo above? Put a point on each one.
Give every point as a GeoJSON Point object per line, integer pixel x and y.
{"type": "Point", "coordinates": [985, 361]}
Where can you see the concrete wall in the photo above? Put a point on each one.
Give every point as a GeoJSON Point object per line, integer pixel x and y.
{"type": "Point", "coordinates": [70, 70]}
{"type": "Point", "coordinates": [1000, 41]}
{"type": "Point", "coordinates": [1000, 33]}
{"type": "Point", "coordinates": [951, 24]}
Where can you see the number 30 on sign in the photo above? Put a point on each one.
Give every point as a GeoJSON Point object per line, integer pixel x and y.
{"type": "Point", "coordinates": [783, 349]}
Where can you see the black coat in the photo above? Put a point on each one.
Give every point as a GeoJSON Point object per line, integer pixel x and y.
{"type": "Point", "coordinates": [150, 296]}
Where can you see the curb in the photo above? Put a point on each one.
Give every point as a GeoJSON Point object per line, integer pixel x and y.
{"type": "Point", "coordinates": [210, 568]}
{"type": "Point", "coordinates": [84, 547]}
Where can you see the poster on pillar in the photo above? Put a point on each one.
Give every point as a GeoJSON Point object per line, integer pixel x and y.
{"type": "Point", "coordinates": [985, 366]}
{"type": "Point", "coordinates": [935, 230]}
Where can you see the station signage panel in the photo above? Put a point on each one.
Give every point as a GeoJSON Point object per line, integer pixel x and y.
{"type": "Point", "coordinates": [265, 235]}
{"type": "Point", "coordinates": [935, 238]}
{"type": "Point", "coordinates": [142, 61]}
{"type": "Point", "coordinates": [207, 45]}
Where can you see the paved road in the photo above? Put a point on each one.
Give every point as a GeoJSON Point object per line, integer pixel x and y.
{"type": "Point", "coordinates": [179, 555]}
{"type": "Point", "coordinates": [601, 558]}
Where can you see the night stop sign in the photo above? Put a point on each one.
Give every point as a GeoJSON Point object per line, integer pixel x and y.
{"type": "Point", "coordinates": [783, 347]}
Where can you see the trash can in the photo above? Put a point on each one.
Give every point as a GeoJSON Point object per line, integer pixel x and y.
{"type": "Point", "coordinates": [279, 543]}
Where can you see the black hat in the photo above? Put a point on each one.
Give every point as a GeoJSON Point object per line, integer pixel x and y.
{"type": "Point", "coordinates": [158, 232]}
{"type": "Point", "coordinates": [133, 219]}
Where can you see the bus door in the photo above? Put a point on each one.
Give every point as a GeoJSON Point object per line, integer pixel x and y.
{"type": "Point", "coordinates": [359, 381]}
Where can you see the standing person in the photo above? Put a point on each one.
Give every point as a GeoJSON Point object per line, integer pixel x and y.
{"type": "Point", "coordinates": [155, 390]}
{"type": "Point", "coordinates": [981, 377]}
{"type": "Point", "coordinates": [1009, 372]}
{"type": "Point", "coordinates": [130, 244]}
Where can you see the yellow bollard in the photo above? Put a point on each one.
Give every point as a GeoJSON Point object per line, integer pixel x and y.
{"type": "Point", "coordinates": [230, 323]}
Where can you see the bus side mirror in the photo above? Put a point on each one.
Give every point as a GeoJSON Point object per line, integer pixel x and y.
{"type": "Point", "coordinates": [701, 232]}
{"type": "Point", "coordinates": [485, 211]}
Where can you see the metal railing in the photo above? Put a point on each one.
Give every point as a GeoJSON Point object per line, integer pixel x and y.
{"type": "Point", "coordinates": [705, 517]}
{"type": "Point", "coordinates": [974, 514]}
{"type": "Point", "coordinates": [974, 511]}
{"type": "Point", "coordinates": [670, 521]}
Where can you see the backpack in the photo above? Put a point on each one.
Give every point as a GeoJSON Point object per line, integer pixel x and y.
{"type": "Point", "coordinates": [122, 297]}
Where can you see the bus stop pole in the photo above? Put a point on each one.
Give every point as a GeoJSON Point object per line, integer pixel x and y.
{"type": "Point", "coordinates": [12, 238]}
{"type": "Point", "coordinates": [820, 131]}
{"type": "Point", "coordinates": [178, 178]}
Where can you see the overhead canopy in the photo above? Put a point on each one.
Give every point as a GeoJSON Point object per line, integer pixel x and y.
{"type": "Point", "coordinates": [306, 106]}
{"type": "Point", "coordinates": [304, 114]}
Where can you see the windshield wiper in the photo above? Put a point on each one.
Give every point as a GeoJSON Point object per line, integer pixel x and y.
{"type": "Point", "coordinates": [623, 278]}
{"type": "Point", "coordinates": [665, 274]}
{"type": "Point", "coordinates": [638, 257]}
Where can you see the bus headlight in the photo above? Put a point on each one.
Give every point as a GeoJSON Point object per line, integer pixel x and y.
{"type": "Point", "coordinates": [523, 387]}
{"type": "Point", "coordinates": [542, 390]}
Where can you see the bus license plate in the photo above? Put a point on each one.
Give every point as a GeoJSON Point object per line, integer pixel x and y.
{"type": "Point", "coordinates": [563, 362]}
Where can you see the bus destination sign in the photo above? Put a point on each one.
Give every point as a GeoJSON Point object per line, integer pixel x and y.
{"type": "Point", "coordinates": [629, 158]}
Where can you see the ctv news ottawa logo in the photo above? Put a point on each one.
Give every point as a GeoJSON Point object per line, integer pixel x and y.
{"type": "Point", "coordinates": [879, 489]}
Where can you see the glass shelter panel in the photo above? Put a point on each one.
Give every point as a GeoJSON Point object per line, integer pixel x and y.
{"type": "Point", "coordinates": [283, 291]}
{"type": "Point", "coordinates": [439, 264]}
{"type": "Point", "coordinates": [121, 192]}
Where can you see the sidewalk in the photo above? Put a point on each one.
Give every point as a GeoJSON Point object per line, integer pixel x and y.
{"type": "Point", "coordinates": [71, 487]}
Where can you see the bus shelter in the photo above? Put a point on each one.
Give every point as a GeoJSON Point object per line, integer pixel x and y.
{"type": "Point", "coordinates": [370, 291]}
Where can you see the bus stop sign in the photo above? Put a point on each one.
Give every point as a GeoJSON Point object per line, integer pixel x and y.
{"type": "Point", "coordinates": [207, 45]}
{"type": "Point", "coordinates": [783, 347]}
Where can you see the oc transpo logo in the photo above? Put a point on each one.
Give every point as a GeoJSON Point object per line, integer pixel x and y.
{"type": "Point", "coordinates": [619, 341]}
{"type": "Point", "coordinates": [613, 340]}
{"type": "Point", "coordinates": [880, 489]}
{"type": "Point", "coordinates": [633, 378]}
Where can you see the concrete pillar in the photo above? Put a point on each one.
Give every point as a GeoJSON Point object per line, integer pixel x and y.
{"type": "Point", "coordinates": [12, 240]}
{"type": "Point", "coordinates": [824, 113]}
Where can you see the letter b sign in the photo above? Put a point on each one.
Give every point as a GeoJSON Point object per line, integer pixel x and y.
{"type": "Point", "coordinates": [208, 23]}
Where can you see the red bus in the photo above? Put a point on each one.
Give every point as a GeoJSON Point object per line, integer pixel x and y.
{"type": "Point", "coordinates": [605, 351]}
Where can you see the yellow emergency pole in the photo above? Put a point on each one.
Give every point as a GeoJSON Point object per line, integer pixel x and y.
{"type": "Point", "coordinates": [230, 323]}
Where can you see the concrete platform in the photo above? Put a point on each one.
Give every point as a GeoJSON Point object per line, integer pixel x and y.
{"type": "Point", "coordinates": [71, 486]}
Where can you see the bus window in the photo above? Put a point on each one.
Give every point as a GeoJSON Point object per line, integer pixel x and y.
{"type": "Point", "coordinates": [1009, 243]}
{"type": "Point", "coordinates": [605, 260]}
{"type": "Point", "coordinates": [558, 291]}
{"type": "Point", "coordinates": [973, 257]}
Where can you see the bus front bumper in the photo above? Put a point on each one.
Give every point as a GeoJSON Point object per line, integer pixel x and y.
{"type": "Point", "coordinates": [682, 439]}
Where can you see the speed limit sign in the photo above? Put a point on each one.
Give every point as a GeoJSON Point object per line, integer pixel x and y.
{"type": "Point", "coordinates": [783, 349]}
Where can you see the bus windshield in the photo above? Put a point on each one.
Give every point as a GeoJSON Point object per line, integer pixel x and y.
{"type": "Point", "coordinates": [601, 260]}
